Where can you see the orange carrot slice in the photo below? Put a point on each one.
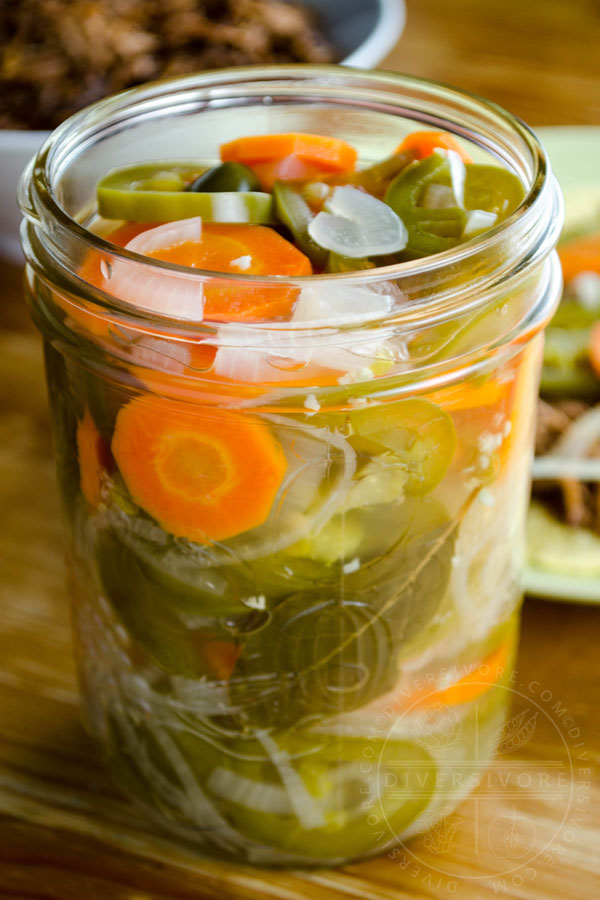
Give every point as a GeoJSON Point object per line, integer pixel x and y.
{"type": "Point", "coordinates": [285, 157]}
{"type": "Point", "coordinates": [479, 679]}
{"type": "Point", "coordinates": [94, 458]}
{"type": "Point", "coordinates": [243, 250]}
{"type": "Point", "coordinates": [240, 249]}
{"type": "Point", "coordinates": [203, 474]}
{"type": "Point", "coordinates": [424, 143]}
{"type": "Point", "coordinates": [595, 348]}
{"type": "Point", "coordinates": [233, 248]}
{"type": "Point", "coordinates": [468, 396]}
{"type": "Point", "coordinates": [230, 248]}
{"type": "Point", "coordinates": [329, 153]}
{"type": "Point", "coordinates": [582, 254]}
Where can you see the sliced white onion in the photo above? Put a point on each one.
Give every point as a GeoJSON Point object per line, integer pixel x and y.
{"type": "Point", "coordinates": [438, 196]}
{"type": "Point", "coordinates": [169, 235]}
{"type": "Point", "coordinates": [254, 365]}
{"type": "Point", "coordinates": [307, 811]}
{"type": "Point", "coordinates": [458, 174]}
{"type": "Point", "coordinates": [339, 304]}
{"type": "Point", "coordinates": [169, 293]}
{"type": "Point", "coordinates": [199, 807]}
{"type": "Point", "coordinates": [556, 468]}
{"type": "Point", "coordinates": [276, 354]}
{"type": "Point", "coordinates": [478, 220]}
{"type": "Point", "coordinates": [279, 353]}
{"type": "Point", "coordinates": [356, 224]}
{"type": "Point", "coordinates": [580, 436]}
{"type": "Point", "coordinates": [158, 353]}
{"type": "Point", "coordinates": [259, 796]}
{"type": "Point", "coordinates": [242, 263]}
{"type": "Point", "coordinates": [486, 564]}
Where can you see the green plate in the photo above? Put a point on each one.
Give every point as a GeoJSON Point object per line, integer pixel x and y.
{"type": "Point", "coordinates": [554, 586]}
{"type": "Point", "coordinates": [574, 155]}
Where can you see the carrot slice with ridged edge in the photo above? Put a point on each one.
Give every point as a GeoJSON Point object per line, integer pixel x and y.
{"type": "Point", "coordinates": [294, 155]}
{"type": "Point", "coordinates": [328, 152]}
{"type": "Point", "coordinates": [229, 248]}
{"type": "Point", "coordinates": [241, 250]}
{"type": "Point", "coordinates": [424, 143]}
{"type": "Point", "coordinates": [203, 474]}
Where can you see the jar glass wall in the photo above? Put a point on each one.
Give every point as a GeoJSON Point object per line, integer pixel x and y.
{"type": "Point", "coordinates": [294, 546]}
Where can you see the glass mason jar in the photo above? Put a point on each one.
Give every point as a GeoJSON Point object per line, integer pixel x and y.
{"type": "Point", "coordinates": [294, 546]}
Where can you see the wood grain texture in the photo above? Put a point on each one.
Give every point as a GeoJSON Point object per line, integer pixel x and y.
{"type": "Point", "coordinates": [538, 58]}
{"type": "Point", "coordinates": [66, 833]}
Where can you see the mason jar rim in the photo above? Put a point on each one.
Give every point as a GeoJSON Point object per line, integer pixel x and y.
{"type": "Point", "coordinates": [525, 228]}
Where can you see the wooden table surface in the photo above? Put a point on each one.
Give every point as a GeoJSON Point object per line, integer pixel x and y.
{"type": "Point", "coordinates": [532, 830]}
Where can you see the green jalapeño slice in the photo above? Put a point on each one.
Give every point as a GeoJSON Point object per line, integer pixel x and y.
{"type": "Point", "coordinates": [229, 176]}
{"type": "Point", "coordinates": [492, 189]}
{"type": "Point", "coordinates": [440, 212]}
{"type": "Point", "coordinates": [156, 192]}
{"type": "Point", "coordinates": [430, 230]}
{"type": "Point", "coordinates": [334, 796]}
{"type": "Point", "coordinates": [419, 433]}
{"type": "Point", "coordinates": [293, 210]}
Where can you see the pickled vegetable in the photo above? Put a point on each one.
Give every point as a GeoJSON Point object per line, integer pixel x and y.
{"type": "Point", "coordinates": [435, 224]}
{"type": "Point", "coordinates": [147, 194]}
{"type": "Point", "coordinates": [292, 209]}
{"type": "Point", "coordinates": [307, 819]}
{"type": "Point", "coordinates": [229, 176]}
{"type": "Point", "coordinates": [297, 570]}
{"type": "Point", "coordinates": [424, 143]}
{"type": "Point", "coordinates": [332, 154]}
{"type": "Point", "coordinates": [204, 476]}
{"type": "Point", "coordinates": [376, 178]}
{"type": "Point", "coordinates": [139, 601]}
{"type": "Point", "coordinates": [492, 189]}
{"type": "Point", "coordinates": [430, 230]}
{"type": "Point", "coordinates": [354, 224]}
{"type": "Point", "coordinates": [420, 434]}
{"type": "Point", "coordinates": [93, 455]}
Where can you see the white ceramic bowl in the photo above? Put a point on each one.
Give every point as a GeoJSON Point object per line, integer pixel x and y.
{"type": "Point", "coordinates": [364, 31]}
